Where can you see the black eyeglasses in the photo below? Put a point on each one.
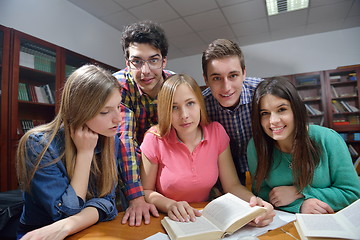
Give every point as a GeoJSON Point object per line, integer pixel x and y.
{"type": "Point", "coordinates": [153, 63]}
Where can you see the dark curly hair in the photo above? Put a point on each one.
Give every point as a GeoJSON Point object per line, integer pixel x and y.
{"type": "Point", "coordinates": [144, 32]}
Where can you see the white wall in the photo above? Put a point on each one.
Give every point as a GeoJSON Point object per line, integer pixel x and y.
{"type": "Point", "coordinates": [62, 23]}
{"type": "Point", "coordinates": [294, 55]}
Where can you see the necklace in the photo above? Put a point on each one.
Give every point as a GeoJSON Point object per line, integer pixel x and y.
{"type": "Point", "coordinates": [287, 158]}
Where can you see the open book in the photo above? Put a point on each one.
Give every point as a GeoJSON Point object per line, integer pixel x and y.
{"type": "Point", "coordinates": [220, 217]}
{"type": "Point", "coordinates": [343, 224]}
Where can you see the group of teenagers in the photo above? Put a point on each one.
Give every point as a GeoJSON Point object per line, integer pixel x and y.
{"type": "Point", "coordinates": [144, 140]}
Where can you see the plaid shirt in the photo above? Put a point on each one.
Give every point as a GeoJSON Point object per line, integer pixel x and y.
{"type": "Point", "coordinates": [237, 122]}
{"type": "Point", "coordinates": [138, 115]}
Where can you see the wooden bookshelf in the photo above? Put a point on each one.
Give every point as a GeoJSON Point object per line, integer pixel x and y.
{"type": "Point", "coordinates": [343, 98]}
{"type": "Point", "coordinates": [31, 69]}
{"type": "Point", "coordinates": [4, 105]}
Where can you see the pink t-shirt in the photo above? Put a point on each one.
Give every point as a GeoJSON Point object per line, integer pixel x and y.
{"type": "Point", "coordinates": [182, 175]}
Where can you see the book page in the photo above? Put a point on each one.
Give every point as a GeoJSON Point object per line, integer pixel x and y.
{"type": "Point", "coordinates": [281, 218]}
{"type": "Point", "coordinates": [226, 210]}
{"type": "Point", "coordinates": [323, 225]}
{"type": "Point", "coordinates": [352, 214]}
{"type": "Point", "coordinates": [200, 226]}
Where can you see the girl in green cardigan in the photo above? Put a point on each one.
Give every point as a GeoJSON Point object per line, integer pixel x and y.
{"type": "Point", "coordinates": [295, 166]}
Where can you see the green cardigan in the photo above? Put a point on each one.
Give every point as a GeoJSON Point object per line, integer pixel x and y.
{"type": "Point", "coordinates": [335, 180]}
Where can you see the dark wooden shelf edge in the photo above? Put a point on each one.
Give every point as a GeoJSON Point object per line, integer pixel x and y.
{"type": "Point", "coordinates": [345, 128]}
{"type": "Point", "coordinates": [36, 103]}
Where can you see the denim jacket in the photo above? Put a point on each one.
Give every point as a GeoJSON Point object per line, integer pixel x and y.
{"type": "Point", "coordinates": [52, 197]}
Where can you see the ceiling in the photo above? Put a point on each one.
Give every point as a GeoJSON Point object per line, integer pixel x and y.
{"type": "Point", "coordinates": [191, 25]}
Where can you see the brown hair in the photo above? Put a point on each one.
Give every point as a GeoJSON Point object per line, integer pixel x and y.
{"type": "Point", "coordinates": [221, 48]}
{"type": "Point", "coordinates": [166, 98]}
{"type": "Point", "coordinates": [305, 151]}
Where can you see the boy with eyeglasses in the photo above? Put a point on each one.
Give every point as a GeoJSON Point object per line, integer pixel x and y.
{"type": "Point", "coordinates": [145, 47]}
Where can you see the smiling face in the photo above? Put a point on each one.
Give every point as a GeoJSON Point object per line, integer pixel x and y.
{"type": "Point", "coordinates": [185, 112]}
{"type": "Point", "coordinates": [225, 79]}
{"type": "Point", "coordinates": [277, 120]}
{"type": "Point", "coordinates": [107, 120]}
{"type": "Point", "coordinates": [149, 80]}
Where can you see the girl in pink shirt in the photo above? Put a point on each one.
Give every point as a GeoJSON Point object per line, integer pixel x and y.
{"type": "Point", "coordinates": [184, 155]}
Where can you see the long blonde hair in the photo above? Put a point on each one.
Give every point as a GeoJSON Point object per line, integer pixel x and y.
{"type": "Point", "coordinates": [166, 99]}
{"type": "Point", "coordinates": [84, 95]}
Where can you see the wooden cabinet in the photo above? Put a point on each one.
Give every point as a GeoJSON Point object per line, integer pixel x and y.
{"type": "Point", "coordinates": [71, 61]}
{"type": "Point", "coordinates": [4, 109]}
{"type": "Point", "coordinates": [34, 81]}
{"type": "Point", "coordinates": [33, 72]}
{"type": "Point", "coordinates": [343, 99]}
{"type": "Point", "coordinates": [344, 104]}
{"type": "Point", "coordinates": [311, 89]}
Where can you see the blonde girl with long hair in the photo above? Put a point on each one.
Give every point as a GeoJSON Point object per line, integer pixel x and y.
{"type": "Point", "coordinates": [67, 168]}
{"type": "Point", "coordinates": [185, 154]}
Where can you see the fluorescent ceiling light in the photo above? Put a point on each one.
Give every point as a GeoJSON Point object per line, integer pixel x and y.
{"type": "Point", "coordinates": [279, 6]}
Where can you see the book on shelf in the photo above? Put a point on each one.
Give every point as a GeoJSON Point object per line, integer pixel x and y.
{"type": "Point", "coordinates": [38, 58]}
{"type": "Point", "coordinates": [355, 119]}
{"type": "Point", "coordinates": [334, 92]}
{"type": "Point", "coordinates": [307, 81]}
{"type": "Point", "coordinates": [344, 136]}
{"type": "Point", "coordinates": [356, 136]}
{"type": "Point", "coordinates": [312, 98]}
{"type": "Point", "coordinates": [26, 125]}
{"type": "Point", "coordinates": [341, 123]}
{"type": "Point", "coordinates": [222, 216]}
{"type": "Point", "coordinates": [312, 110]}
{"type": "Point", "coordinates": [346, 106]}
{"type": "Point", "coordinates": [338, 107]}
{"type": "Point", "coordinates": [335, 78]}
{"type": "Point", "coordinates": [49, 93]}
{"type": "Point", "coordinates": [341, 225]}
{"type": "Point", "coordinates": [32, 93]}
{"type": "Point", "coordinates": [21, 94]}
{"type": "Point", "coordinates": [27, 60]}
{"type": "Point", "coordinates": [348, 94]}
{"type": "Point", "coordinates": [353, 151]}
{"type": "Point", "coordinates": [357, 165]}
{"type": "Point", "coordinates": [352, 77]}
{"type": "Point", "coordinates": [352, 108]}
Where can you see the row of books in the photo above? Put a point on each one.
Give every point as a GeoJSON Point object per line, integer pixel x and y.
{"type": "Point", "coordinates": [26, 125]}
{"type": "Point", "coordinates": [350, 136]}
{"type": "Point", "coordinates": [313, 111]}
{"type": "Point", "coordinates": [349, 120]}
{"type": "Point", "coordinates": [37, 60]}
{"type": "Point", "coordinates": [33, 93]}
{"type": "Point", "coordinates": [311, 98]}
{"type": "Point", "coordinates": [310, 80]}
{"type": "Point", "coordinates": [343, 78]}
{"type": "Point", "coordinates": [335, 94]}
{"type": "Point", "coordinates": [343, 106]}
